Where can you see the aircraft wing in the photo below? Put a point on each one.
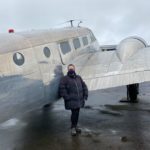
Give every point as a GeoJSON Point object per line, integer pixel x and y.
{"type": "Point", "coordinates": [127, 65]}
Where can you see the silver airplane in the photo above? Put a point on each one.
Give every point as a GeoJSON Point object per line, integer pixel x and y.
{"type": "Point", "coordinates": [32, 64]}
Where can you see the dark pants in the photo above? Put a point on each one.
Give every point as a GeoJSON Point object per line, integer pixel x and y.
{"type": "Point", "coordinates": [74, 117]}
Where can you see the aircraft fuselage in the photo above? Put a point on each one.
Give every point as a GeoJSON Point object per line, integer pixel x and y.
{"type": "Point", "coordinates": [32, 63]}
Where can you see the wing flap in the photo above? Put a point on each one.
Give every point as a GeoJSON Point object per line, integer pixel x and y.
{"type": "Point", "coordinates": [117, 80]}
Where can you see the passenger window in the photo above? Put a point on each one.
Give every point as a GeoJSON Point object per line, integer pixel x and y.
{"type": "Point", "coordinates": [76, 43]}
{"type": "Point", "coordinates": [18, 59]}
{"type": "Point", "coordinates": [85, 40]}
{"type": "Point", "coordinates": [65, 47]}
{"type": "Point", "coordinates": [47, 52]}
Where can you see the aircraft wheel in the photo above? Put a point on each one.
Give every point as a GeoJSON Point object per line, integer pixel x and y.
{"type": "Point", "coordinates": [133, 90]}
{"type": "Point", "coordinates": [47, 107]}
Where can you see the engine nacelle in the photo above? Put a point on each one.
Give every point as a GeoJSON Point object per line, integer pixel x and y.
{"type": "Point", "coordinates": [129, 46]}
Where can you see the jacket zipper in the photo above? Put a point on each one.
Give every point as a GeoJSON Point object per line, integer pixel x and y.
{"type": "Point", "coordinates": [77, 88]}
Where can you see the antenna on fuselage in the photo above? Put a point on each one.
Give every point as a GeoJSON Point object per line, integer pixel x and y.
{"type": "Point", "coordinates": [79, 23]}
{"type": "Point", "coordinates": [71, 22]}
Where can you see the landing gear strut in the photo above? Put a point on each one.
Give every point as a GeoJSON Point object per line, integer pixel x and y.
{"type": "Point", "coordinates": [132, 92]}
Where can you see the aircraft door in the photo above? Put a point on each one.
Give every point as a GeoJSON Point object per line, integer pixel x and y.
{"type": "Point", "coordinates": [50, 69]}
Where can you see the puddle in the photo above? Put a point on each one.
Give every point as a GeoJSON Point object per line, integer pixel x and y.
{"type": "Point", "coordinates": [113, 113]}
{"type": "Point", "coordinates": [114, 132]}
{"type": "Point", "coordinates": [57, 107]}
{"type": "Point", "coordinates": [11, 123]}
{"type": "Point", "coordinates": [126, 107]}
{"type": "Point", "coordinates": [89, 133]}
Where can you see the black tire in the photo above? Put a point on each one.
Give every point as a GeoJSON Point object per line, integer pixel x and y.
{"type": "Point", "coordinates": [47, 107]}
{"type": "Point", "coordinates": [133, 92]}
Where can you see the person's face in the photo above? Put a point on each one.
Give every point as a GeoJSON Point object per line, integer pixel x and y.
{"type": "Point", "coordinates": [71, 68]}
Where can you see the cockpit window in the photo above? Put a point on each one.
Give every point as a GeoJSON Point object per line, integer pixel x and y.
{"type": "Point", "coordinates": [18, 59]}
{"type": "Point", "coordinates": [65, 47]}
{"type": "Point", "coordinates": [76, 43]}
{"type": "Point", "coordinates": [92, 37]}
{"type": "Point", "coordinates": [47, 52]}
{"type": "Point", "coordinates": [85, 40]}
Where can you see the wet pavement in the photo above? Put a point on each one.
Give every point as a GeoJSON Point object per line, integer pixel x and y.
{"type": "Point", "coordinates": [106, 124]}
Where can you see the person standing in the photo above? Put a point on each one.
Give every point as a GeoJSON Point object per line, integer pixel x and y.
{"type": "Point", "coordinates": [74, 92]}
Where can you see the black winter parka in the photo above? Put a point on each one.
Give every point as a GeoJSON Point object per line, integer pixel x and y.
{"type": "Point", "coordinates": [74, 91]}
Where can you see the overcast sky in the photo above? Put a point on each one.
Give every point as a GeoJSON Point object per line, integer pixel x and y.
{"type": "Point", "coordinates": [110, 20]}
